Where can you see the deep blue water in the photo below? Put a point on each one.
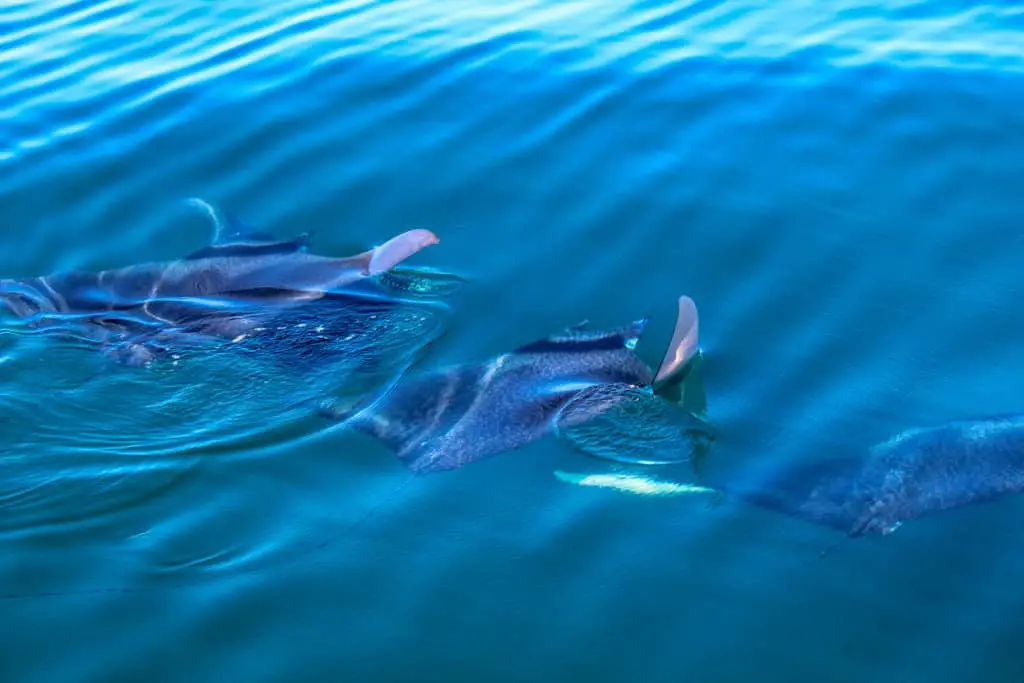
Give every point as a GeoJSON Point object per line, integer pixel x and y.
{"type": "Point", "coordinates": [838, 185]}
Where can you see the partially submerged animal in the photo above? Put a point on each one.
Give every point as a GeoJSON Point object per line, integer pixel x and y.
{"type": "Point", "coordinates": [229, 290]}
{"type": "Point", "coordinates": [446, 418]}
{"type": "Point", "coordinates": [916, 473]}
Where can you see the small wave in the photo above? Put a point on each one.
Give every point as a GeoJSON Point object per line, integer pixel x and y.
{"type": "Point", "coordinates": [84, 435]}
{"type": "Point", "coordinates": [71, 67]}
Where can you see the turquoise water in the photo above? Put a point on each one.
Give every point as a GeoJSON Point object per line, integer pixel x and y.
{"type": "Point", "coordinates": [837, 185]}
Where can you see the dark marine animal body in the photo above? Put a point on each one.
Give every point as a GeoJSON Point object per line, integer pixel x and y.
{"type": "Point", "coordinates": [245, 284]}
{"type": "Point", "coordinates": [446, 418]}
{"type": "Point", "coordinates": [915, 473]}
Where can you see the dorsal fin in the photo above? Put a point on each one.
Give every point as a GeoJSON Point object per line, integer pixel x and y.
{"type": "Point", "coordinates": [232, 237]}
{"type": "Point", "coordinates": [578, 339]}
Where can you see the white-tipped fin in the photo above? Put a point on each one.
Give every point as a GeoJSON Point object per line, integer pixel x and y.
{"type": "Point", "coordinates": [397, 249]}
{"type": "Point", "coordinates": [685, 340]}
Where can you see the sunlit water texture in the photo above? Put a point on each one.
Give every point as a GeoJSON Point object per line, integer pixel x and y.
{"type": "Point", "coordinates": [837, 185]}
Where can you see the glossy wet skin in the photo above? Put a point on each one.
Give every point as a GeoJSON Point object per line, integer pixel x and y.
{"type": "Point", "coordinates": [230, 290]}
{"type": "Point", "coordinates": [447, 418]}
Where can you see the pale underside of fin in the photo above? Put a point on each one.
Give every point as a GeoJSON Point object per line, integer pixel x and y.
{"type": "Point", "coordinates": [398, 249]}
{"type": "Point", "coordinates": [631, 483]}
{"type": "Point", "coordinates": [685, 341]}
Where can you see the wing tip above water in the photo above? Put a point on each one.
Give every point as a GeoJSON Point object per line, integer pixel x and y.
{"type": "Point", "coordinates": [399, 248]}
{"type": "Point", "coordinates": [685, 340]}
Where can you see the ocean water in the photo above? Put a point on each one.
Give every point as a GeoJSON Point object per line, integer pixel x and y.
{"type": "Point", "coordinates": [838, 185]}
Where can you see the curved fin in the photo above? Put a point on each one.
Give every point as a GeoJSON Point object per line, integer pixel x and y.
{"type": "Point", "coordinates": [397, 249]}
{"type": "Point", "coordinates": [685, 341]}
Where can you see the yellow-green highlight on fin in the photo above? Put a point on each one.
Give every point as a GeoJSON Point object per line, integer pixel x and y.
{"type": "Point", "coordinates": [631, 483]}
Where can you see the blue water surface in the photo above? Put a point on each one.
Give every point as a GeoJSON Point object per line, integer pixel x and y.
{"type": "Point", "coordinates": [837, 184]}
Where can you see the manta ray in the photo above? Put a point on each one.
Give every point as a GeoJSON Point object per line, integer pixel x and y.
{"type": "Point", "coordinates": [237, 287]}
{"type": "Point", "coordinates": [916, 473]}
{"type": "Point", "coordinates": [562, 384]}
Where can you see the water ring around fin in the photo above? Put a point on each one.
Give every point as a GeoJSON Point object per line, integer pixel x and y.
{"type": "Point", "coordinates": [630, 424]}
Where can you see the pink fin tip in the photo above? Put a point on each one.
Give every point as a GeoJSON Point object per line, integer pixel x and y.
{"type": "Point", "coordinates": [685, 340]}
{"type": "Point", "coordinates": [397, 249]}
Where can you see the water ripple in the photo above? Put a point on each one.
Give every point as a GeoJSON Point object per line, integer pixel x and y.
{"type": "Point", "coordinates": [137, 54]}
{"type": "Point", "coordinates": [836, 184]}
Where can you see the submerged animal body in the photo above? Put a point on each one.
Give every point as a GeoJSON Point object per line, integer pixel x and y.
{"type": "Point", "coordinates": [916, 473]}
{"type": "Point", "coordinates": [230, 289]}
{"type": "Point", "coordinates": [447, 418]}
